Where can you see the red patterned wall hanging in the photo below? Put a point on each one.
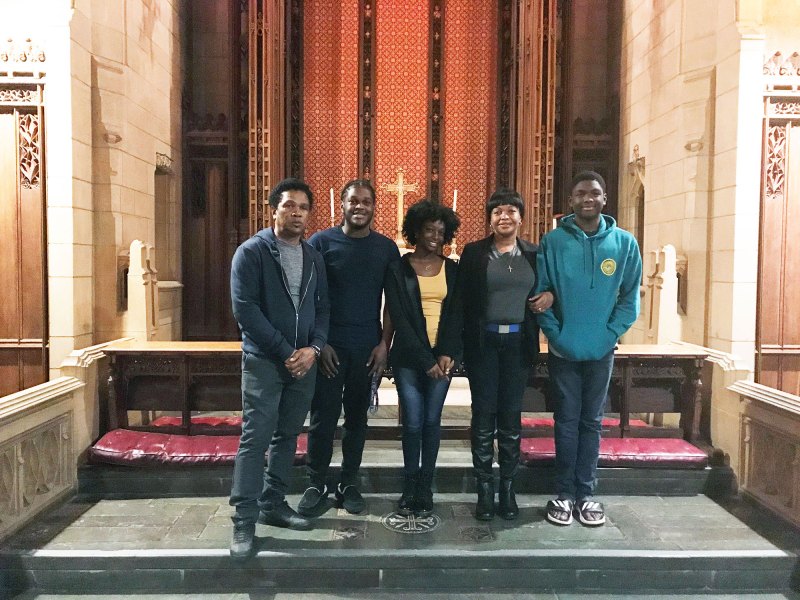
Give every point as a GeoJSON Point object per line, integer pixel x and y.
{"type": "Point", "coordinates": [401, 104]}
{"type": "Point", "coordinates": [470, 111]}
{"type": "Point", "coordinates": [330, 103]}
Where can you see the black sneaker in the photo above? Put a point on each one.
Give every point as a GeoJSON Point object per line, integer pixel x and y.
{"type": "Point", "coordinates": [313, 502]}
{"type": "Point", "coordinates": [242, 544]}
{"type": "Point", "coordinates": [283, 516]}
{"type": "Point", "coordinates": [350, 499]}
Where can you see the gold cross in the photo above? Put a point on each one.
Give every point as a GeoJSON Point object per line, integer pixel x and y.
{"type": "Point", "coordinates": [400, 188]}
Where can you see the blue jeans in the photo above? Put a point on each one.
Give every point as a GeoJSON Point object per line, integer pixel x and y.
{"type": "Point", "coordinates": [274, 407]}
{"type": "Point", "coordinates": [421, 400]}
{"type": "Point", "coordinates": [579, 391]}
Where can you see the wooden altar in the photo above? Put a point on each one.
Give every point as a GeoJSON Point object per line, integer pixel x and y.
{"type": "Point", "coordinates": [200, 377]}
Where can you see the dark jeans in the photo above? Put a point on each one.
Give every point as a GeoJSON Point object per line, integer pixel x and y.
{"type": "Point", "coordinates": [579, 390]}
{"type": "Point", "coordinates": [349, 389]}
{"type": "Point", "coordinates": [421, 400]}
{"type": "Point", "coordinates": [274, 407]}
{"type": "Point", "coordinates": [498, 374]}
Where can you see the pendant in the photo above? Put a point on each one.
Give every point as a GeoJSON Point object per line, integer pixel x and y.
{"type": "Point", "coordinates": [509, 268]}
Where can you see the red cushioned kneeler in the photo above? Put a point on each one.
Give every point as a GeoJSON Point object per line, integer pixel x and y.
{"type": "Point", "coordinates": [533, 422]}
{"type": "Point", "coordinates": [623, 452]}
{"type": "Point", "coordinates": [144, 448]}
{"type": "Point", "coordinates": [203, 425]}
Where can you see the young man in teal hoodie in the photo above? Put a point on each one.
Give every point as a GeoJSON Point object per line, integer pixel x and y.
{"type": "Point", "coordinates": [594, 270]}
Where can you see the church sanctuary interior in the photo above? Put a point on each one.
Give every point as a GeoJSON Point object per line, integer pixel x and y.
{"type": "Point", "coordinates": [139, 141]}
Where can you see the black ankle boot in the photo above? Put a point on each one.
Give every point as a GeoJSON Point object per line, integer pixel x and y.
{"type": "Point", "coordinates": [423, 496]}
{"type": "Point", "coordinates": [484, 509]}
{"type": "Point", "coordinates": [507, 501]}
{"type": "Point", "coordinates": [406, 505]}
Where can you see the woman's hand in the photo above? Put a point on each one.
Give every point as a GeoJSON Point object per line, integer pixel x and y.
{"type": "Point", "coordinates": [445, 364]}
{"type": "Point", "coordinates": [435, 372]}
{"type": "Point", "coordinates": [541, 302]}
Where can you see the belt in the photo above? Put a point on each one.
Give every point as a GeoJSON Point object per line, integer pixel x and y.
{"type": "Point", "coordinates": [497, 328]}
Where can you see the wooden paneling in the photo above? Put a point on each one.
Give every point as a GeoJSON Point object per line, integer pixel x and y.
{"type": "Point", "coordinates": [207, 256]}
{"type": "Point", "coordinates": [778, 327]}
{"type": "Point", "coordinates": [23, 359]}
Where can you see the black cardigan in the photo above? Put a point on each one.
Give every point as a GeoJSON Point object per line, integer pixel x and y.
{"type": "Point", "coordinates": [471, 299]}
{"type": "Point", "coordinates": [411, 347]}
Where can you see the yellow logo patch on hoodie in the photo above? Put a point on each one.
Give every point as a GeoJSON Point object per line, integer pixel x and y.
{"type": "Point", "coordinates": [608, 267]}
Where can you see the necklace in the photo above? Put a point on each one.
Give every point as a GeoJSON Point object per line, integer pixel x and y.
{"type": "Point", "coordinates": [508, 264]}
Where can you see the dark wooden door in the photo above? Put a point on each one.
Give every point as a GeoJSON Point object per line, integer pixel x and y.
{"type": "Point", "coordinates": [778, 339]}
{"type": "Point", "coordinates": [23, 310]}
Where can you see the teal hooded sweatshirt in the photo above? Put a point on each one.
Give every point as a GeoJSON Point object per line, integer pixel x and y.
{"type": "Point", "coordinates": [595, 281]}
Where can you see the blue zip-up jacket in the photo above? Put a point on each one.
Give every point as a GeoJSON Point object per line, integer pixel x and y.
{"type": "Point", "coordinates": [271, 326]}
{"type": "Point", "coordinates": [595, 281]}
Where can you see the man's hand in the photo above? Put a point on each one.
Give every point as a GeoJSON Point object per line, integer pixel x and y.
{"type": "Point", "coordinates": [329, 362]}
{"type": "Point", "coordinates": [377, 359]}
{"type": "Point", "coordinates": [445, 364]}
{"type": "Point", "coordinates": [435, 372]}
{"type": "Point", "coordinates": [299, 363]}
{"type": "Point", "coordinates": [541, 302]}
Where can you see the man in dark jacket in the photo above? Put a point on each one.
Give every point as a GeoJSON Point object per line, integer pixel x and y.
{"type": "Point", "coordinates": [279, 292]}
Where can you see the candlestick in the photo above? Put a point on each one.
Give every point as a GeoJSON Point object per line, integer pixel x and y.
{"type": "Point", "coordinates": [455, 199]}
{"type": "Point", "coordinates": [332, 208]}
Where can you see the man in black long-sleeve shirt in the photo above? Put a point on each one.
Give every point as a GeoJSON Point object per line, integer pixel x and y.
{"type": "Point", "coordinates": [279, 293]}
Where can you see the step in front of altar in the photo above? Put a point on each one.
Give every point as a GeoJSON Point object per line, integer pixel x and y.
{"type": "Point", "coordinates": [667, 545]}
{"type": "Point", "coordinates": [382, 473]}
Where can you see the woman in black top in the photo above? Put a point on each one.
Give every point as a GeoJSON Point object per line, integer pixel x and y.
{"type": "Point", "coordinates": [418, 295]}
{"type": "Point", "coordinates": [494, 312]}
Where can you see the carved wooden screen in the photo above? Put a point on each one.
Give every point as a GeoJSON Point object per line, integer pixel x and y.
{"type": "Point", "coordinates": [536, 113]}
{"type": "Point", "coordinates": [23, 293]}
{"type": "Point", "coordinates": [266, 105]}
{"type": "Point", "coordinates": [778, 325]}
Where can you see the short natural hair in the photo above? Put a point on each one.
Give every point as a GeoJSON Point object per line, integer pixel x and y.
{"type": "Point", "coordinates": [505, 196]}
{"type": "Point", "coordinates": [588, 176]}
{"type": "Point", "coordinates": [290, 184]}
{"type": "Point", "coordinates": [426, 211]}
{"type": "Point", "coordinates": [354, 183]}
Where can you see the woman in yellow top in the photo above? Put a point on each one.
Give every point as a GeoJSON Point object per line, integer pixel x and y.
{"type": "Point", "coordinates": [418, 294]}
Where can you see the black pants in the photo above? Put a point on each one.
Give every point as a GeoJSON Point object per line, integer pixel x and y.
{"type": "Point", "coordinates": [498, 374]}
{"type": "Point", "coordinates": [349, 390]}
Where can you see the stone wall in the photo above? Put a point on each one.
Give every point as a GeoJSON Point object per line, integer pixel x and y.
{"type": "Point", "coordinates": [130, 81]}
{"type": "Point", "coordinates": [696, 133]}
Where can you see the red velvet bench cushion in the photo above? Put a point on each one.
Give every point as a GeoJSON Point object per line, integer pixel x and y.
{"type": "Point", "coordinates": [623, 452]}
{"type": "Point", "coordinates": [231, 425]}
{"type": "Point", "coordinates": [533, 422]}
{"type": "Point", "coordinates": [145, 448]}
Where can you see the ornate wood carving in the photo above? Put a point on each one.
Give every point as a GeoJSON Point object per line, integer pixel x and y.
{"type": "Point", "coordinates": [775, 162]}
{"type": "Point", "coordinates": [24, 51]}
{"type": "Point", "coordinates": [266, 108]}
{"type": "Point", "coordinates": [536, 111]}
{"type": "Point", "coordinates": [29, 151]}
{"type": "Point", "coordinates": [507, 84]}
{"type": "Point", "coordinates": [436, 98]}
{"type": "Point", "coordinates": [294, 96]}
{"type": "Point", "coordinates": [783, 108]}
{"type": "Point", "coordinates": [366, 85]}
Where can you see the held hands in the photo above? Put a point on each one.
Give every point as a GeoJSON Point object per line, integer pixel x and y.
{"type": "Point", "coordinates": [442, 368]}
{"type": "Point", "coordinates": [540, 302]}
{"type": "Point", "coordinates": [299, 363]}
{"type": "Point", "coordinates": [329, 362]}
{"type": "Point", "coordinates": [377, 359]}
